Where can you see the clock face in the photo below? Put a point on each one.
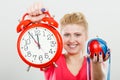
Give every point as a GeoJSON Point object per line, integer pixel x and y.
{"type": "Point", "coordinates": [38, 45]}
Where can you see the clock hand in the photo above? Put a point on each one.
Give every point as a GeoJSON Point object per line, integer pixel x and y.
{"type": "Point", "coordinates": [38, 41]}
{"type": "Point", "coordinates": [33, 38]}
{"type": "Point", "coordinates": [42, 49]}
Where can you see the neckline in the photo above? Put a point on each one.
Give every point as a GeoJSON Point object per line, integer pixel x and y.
{"type": "Point", "coordinates": [69, 70]}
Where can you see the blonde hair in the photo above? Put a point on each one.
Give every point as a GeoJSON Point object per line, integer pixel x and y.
{"type": "Point", "coordinates": [74, 18]}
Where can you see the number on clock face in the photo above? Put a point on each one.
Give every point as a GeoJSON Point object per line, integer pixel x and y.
{"type": "Point", "coordinates": [38, 45]}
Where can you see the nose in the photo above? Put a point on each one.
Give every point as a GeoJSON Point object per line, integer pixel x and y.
{"type": "Point", "coordinates": [72, 39]}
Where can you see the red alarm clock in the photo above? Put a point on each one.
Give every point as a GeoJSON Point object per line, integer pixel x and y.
{"type": "Point", "coordinates": [39, 44]}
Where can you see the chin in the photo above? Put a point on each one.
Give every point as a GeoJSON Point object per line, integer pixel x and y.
{"type": "Point", "coordinates": [72, 52]}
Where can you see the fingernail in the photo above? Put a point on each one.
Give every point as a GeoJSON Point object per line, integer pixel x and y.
{"type": "Point", "coordinates": [43, 9]}
{"type": "Point", "coordinates": [108, 52]}
{"type": "Point", "coordinates": [95, 54]}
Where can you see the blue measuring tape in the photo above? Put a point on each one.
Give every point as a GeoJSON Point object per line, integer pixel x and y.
{"type": "Point", "coordinates": [109, 66]}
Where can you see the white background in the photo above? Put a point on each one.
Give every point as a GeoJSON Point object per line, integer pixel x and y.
{"type": "Point", "coordinates": [103, 17]}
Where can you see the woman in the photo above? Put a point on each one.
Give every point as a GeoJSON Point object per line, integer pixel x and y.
{"type": "Point", "coordinates": [72, 65]}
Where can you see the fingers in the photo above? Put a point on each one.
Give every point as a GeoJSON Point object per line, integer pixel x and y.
{"type": "Point", "coordinates": [100, 57]}
{"type": "Point", "coordinates": [107, 55]}
{"type": "Point", "coordinates": [55, 65]}
{"type": "Point", "coordinates": [35, 12]}
{"type": "Point", "coordinates": [35, 9]}
{"type": "Point", "coordinates": [37, 18]}
{"type": "Point", "coordinates": [95, 58]}
{"type": "Point", "coordinates": [43, 69]}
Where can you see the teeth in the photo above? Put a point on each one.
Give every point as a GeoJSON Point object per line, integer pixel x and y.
{"type": "Point", "coordinates": [72, 46]}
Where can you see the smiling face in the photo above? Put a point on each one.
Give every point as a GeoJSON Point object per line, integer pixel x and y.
{"type": "Point", "coordinates": [74, 29]}
{"type": "Point", "coordinates": [74, 38]}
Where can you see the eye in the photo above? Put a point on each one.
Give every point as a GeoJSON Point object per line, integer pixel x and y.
{"type": "Point", "coordinates": [66, 34]}
{"type": "Point", "coordinates": [78, 34]}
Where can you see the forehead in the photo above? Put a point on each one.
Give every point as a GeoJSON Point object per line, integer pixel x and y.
{"type": "Point", "coordinates": [73, 28]}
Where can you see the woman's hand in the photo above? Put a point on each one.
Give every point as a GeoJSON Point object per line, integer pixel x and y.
{"type": "Point", "coordinates": [99, 58]}
{"type": "Point", "coordinates": [35, 12]}
{"type": "Point", "coordinates": [99, 68]}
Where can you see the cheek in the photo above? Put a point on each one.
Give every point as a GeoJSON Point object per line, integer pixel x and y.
{"type": "Point", "coordinates": [81, 40]}
{"type": "Point", "coordinates": [64, 39]}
